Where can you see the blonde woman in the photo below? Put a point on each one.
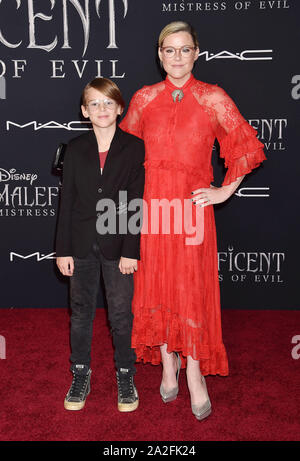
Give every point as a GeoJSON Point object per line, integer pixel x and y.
{"type": "Point", "coordinates": [176, 304]}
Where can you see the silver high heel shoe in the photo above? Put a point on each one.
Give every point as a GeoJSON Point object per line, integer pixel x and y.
{"type": "Point", "coordinates": [202, 411]}
{"type": "Point", "coordinates": [172, 394]}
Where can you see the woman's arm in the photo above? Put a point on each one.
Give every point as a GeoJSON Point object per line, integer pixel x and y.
{"type": "Point", "coordinates": [239, 147]}
{"type": "Point", "coordinates": [214, 195]}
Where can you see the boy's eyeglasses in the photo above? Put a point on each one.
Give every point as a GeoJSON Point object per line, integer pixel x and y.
{"type": "Point", "coordinates": [93, 106]}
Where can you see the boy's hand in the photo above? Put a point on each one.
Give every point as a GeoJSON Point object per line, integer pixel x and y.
{"type": "Point", "coordinates": [127, 265]}
{"type": "Point", "coordinates": [65, 264]}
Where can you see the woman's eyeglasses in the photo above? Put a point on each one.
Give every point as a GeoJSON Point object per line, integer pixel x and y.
{"type": "Point", "coordinates": [185, 51]}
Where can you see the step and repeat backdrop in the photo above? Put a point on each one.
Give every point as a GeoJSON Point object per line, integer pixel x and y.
{"type": "Point", "coordinates": [49, 50]}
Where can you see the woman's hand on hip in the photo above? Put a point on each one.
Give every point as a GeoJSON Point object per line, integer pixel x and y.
{"type": "Point", "coordinates": [65, 264]}
{"type": "Point", "coordinates": [210, 195]}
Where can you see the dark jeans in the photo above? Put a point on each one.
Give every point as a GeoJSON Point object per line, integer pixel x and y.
{"type": "Point", "coordinates": [84, 286]}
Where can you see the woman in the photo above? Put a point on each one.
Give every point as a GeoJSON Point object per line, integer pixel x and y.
{"type": "Point", "coordinates": [177, 302]}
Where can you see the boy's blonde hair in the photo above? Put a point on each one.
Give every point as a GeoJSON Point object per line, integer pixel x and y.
{"type": "Point", "coordinates": [107, 87]}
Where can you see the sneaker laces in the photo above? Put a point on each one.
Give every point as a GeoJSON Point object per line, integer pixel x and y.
{"type": "Point", "coordinates": [125, 384]}
{"type": "Point", "coordinates": [78, 385]}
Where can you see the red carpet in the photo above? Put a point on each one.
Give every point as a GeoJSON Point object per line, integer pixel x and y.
{"type": "Point", "coordinates": [260, 400]}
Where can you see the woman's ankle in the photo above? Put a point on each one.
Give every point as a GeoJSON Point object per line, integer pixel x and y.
{"type": "Point", "coordinates": [170, 366]}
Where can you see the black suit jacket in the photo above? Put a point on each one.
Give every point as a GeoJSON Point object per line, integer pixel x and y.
{"type": "Point", "coordinates": [84, 185]}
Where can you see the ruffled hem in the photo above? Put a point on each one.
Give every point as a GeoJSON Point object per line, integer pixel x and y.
{"type": "Point", "coordinates": [238, 142]}
{"type": "Point", "coordinates": [242, 152]}
{"type": "Point", "coordinates": [165, 328]}
{"type": "Point", "coordinates": [243, 166]}
{"type": "Point", "coordinates": [215, 364]}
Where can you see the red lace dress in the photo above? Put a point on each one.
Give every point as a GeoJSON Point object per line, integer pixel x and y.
{"type": "Point", "coordinates": [177, 298]}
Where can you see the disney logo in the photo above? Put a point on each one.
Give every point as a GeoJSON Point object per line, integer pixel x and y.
{"type": "Point", "coordinates": [11, 175]}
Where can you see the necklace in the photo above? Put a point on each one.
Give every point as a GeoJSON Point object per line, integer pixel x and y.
{"type": "Point", "coordinates": [177, 94]}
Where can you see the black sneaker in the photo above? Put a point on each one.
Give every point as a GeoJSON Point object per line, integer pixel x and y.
{"type": "Point", "coordinates": [80, 388]}
{"type": "Point", "coordinates": [128, 399]}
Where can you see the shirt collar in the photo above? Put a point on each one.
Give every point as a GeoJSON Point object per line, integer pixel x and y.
{"type": "Point", "coordinates": [187, 83]}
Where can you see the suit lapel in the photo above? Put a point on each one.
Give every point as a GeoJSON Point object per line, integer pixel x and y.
{"type": "Point", "coordinates": [93, 152]}
{"type": "Point", "coordinates": [112, 158]}
{"type": "Point", "coordinates": [114, 152]}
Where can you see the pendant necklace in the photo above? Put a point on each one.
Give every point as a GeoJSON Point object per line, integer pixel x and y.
{"type": "Point", "coordinates": [177, 94]}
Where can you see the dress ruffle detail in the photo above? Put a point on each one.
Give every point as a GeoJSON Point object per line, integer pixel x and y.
{"type": "Point", "coordinates": [177, 167]}
{"type": "Point", "coordinates": [242, 152]}
{"type": "Point", "coordinates": [164, 327]}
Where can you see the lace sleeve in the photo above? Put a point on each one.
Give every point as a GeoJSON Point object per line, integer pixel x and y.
{"type": "Point", "coordinates": [239, 145]}
{"type": "Point", "coordinates": [132, 120]}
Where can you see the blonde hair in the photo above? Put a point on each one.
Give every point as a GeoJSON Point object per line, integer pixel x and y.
{"type": "Point", "coordinates": [107, 87]}
{"type": "Point", "coordinates": [177, 26]}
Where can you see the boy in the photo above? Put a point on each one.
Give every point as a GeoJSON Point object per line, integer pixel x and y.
{"type": "Point", "coordinates": [98, 165]}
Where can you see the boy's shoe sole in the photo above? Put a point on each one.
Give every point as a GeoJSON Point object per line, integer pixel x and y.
{"type": "Point", "coordinates": [126, 407]}
{"type": "Point", "coordinates": [73, 405]}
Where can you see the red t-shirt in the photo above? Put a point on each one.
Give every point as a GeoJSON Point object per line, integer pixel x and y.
{"type": "Point", "coordinates": [102, 156]}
